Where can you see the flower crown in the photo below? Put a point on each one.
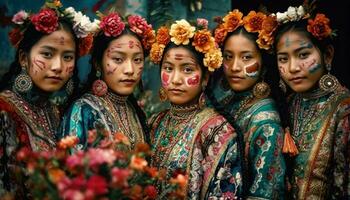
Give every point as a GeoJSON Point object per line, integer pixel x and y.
{"type": "Point", "coordinates": [180, 33]}
{"type": "Point", "coordinates": [112, 25]}
{"type": "Point", "coordinates": [319, 27]}
{"type": "Point", "coordinates": [46, 21]}
{"type": "Point", "coordinates": [254, 22]}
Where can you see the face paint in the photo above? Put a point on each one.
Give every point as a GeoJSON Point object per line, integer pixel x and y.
{"type": "Point", "coordinates": [70, 69]}
{"type": "Point", "coordinates": [140, 71]}
{"type": "Point", "coordinates": [287, 43]}
{"type": "Point", "coordinates": [179, 56]}
{"type": "Point", "coordinates": [312, 66]}
{"type": "Point", "coordinates": [282, 70]}
{"type": "Point", "coordinates": [304, 44]}
{"type": "Point", "coordinates": [39, 63]}
{"type": "Point", "coordinates": [61, 41]}
{"type": "Point", "coordinates": [225, 66]}
{"type": "Point", "coordinates": [111, 70]}
{"type": "Point", "coordinates": [165, 79]}
{"type": "Point", "coordinates": [131, 44]}
{"type": "Point", "coordinates": [252, 70]}
{"type": "Point", "coordinates": [193, 81]}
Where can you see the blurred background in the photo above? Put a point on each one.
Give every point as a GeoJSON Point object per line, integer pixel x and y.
{"type": "Point", "coordinates": [159, 12]}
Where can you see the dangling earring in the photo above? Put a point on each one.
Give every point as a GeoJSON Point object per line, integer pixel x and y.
{"type": "Point", "coordinates": [261, 90]}
{"type": "Point", "coordinates": [70, 87]}
{"type": "Point", "coordinates": [282, 85]}
{"type": "Point", "coordinates": [23, 82]}
{"type": "Point", "coordinates": [99, 87]}
{"type": "Point", "coordinates": [162, 94]}
{"type": "Point", "coordinates": [328, 82]}
{"type": "Point", "coordinates": [201, 100]}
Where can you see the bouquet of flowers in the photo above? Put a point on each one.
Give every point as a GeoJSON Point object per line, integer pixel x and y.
{"type": "Point", "coordinates": [106, 170]}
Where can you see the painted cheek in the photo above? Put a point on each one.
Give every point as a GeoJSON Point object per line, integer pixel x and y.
{"type": "Point", "coordinates": [165, 79]}
{"type": "Point", "coordinates": [140, 71]}
{"type": "Point", "coordinates": [252, 70]}
{"type": "Point", "coordinates": [38, 66]}
{"type": "Point", "coordinates": [70, 69]}
{"type": "Point", "coordinates": [225, 66]}
{"type": "Point", "coordinates": [313, 66]}
{"type": "Point", "coordinates": [193, 81]}
{"type": "Point", "coordinates": [282, 70]}
{"type": "Point", "coordinates": [111, 69]}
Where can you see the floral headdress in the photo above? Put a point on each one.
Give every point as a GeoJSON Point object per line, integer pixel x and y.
{"type": "Point", "coordinates": [319, 27]}
{"type": "Point", "coordinates": [113, 25]}
{"type": "Point", "coordinates": [182, 33]}
{"type": "Point", "coordinates": [254, 22]}
{"type": "Point", "coordinates": [46, 21]}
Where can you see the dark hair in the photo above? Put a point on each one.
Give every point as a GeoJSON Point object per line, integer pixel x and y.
{"type": "Point", "coordinates": [30, 38]}
{"type": "Point", "coordinates": [100, 44]}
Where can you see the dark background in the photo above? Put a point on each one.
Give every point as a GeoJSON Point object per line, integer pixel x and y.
{"type": "Point", "coordinates": [339, 14]}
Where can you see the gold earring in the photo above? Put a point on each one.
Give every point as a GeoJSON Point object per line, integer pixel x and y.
{"type": "Point", "coordinates": [261, 90]}
{"type": "Point", "coordinates": [162, 94]}
{"type": "Point", "coordinates": [328, 82]}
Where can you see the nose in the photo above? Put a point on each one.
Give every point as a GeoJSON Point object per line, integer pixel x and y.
{"type": "Point", "coordinates": [235, 66]}
{"type": "Point", "coordinates": [294, 66]}
{"type": "Point", "coordinates": [128, 68]}
{"type": "Point", "coordinates": [56, 65]}
{"type": "Point", "coordinates": [176, 78]}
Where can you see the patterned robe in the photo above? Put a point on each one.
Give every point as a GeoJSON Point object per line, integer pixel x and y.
{"type": "Point", "coordinates": [111, 111]}
{"type": "Point", "coordinates": [321, 130]}
{"type": "Point", "coordinates": [202, 144]}
{"type": "Point", "coordinates": [23, 125]}
{"type": "Point", "coordinates": [259, 122]}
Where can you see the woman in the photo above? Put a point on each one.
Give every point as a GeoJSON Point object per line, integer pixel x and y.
{"type": "Point", "coordinates": [246, 98]}
{"type": "Point", "coordinates": [118, 58]}
{"type": "Point", "coordinates": [190, 137]}
{"type": "Point", "coordinates": [319, 107]}
{"type": "Point", "coordinates": [47, 50]}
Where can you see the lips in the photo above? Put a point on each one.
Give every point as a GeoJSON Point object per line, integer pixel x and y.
{"type": "Point", "coordinates": [235, 78]}
{"type": "Point", "coordinates": [296, 80]}
{"type": "Point", "coordinates": [128, 81]}
{"type": "Point", "coordinates": [176, 91]}
{"type": "Point", "coordinates": [54, 78]}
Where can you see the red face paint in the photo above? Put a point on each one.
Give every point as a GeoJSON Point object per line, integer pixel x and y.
{"type": "Point", "coordinates": [61, 41]}
{"type": "Point", "coordinates": [110, 70]}
{"type": "Point", "coordinates": [39, 63]}
{"type": "Point", "coordinates": [165, 79]}
{"type": "Point", "coordinates": [70, 69]}
{"type": "Point", "coordinates": [282, 70]}
{"type": "Point", "coordinates": [140, 71]}
{"type": "Point", "coordinates": [252, 70]}
{"type": "Point", "coordinates": [179, 56]}
{"type": "Point", "coordinates": [131, 44]}
{"type": "Point", "coordinates": [193, 81]}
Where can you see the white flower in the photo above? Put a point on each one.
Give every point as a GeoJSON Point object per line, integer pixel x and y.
{"type": "Point", "coordinates": [301, 12]}
{"type": "Point", "coordinates": [292, 13]}
{"type": "Point", "coordinates": [20, 17]}
{"type": "Point", "coordinates": [281, 17]}
{"type": "Point", "coordinates": [70, 11]}
{"type": "Point", "coordinates": [95, 26]}
{"type": "Point", "coordinates": [82, 25]}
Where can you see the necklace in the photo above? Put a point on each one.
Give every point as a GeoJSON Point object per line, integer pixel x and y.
{"type": "Point", "coordinates": [243, 105]}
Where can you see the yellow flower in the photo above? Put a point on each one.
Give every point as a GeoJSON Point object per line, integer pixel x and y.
{"type": "Point", "coordinates": [213, 59]}
{"type": "Point", "coordinates": [181, 32]}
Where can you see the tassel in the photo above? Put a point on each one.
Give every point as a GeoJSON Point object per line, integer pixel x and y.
{"type": "Point", "coordinates": [289, 146]}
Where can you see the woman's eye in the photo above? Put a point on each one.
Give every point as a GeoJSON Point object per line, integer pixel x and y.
{"type": "Point", "coordinates": [303, 55]}
{"type": "Point", "coordinates": [247, 57]}
{"type": "Point", "coordinates": [282, 59]}
{"type": "Point", "coordinates": [118, 60]}
{"type": "Point", "coordinates": [46, 54]}
{"type": "Point", "coordinates": [68, 58]}
{"type": "Point", "coordinates": [188, 69]}
{"type": "Point", "coordinates": [138, 60]}
{"type": "Point", "coordinates": [227, 57]}
{"type": "Point", "coordinates": [167, 68]}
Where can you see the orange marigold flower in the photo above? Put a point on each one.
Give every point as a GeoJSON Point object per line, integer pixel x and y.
{"type": "Point", "coordinates": [319, 27]}
{"type": "Point", "coordinates": [55, 175]}
{"type": "Point", "coordinates": [253, 21]}
{"type": "Point", "coordinates": [213, 59]}
{"type": "Point", "coordinates": [220, 34]}
{"type": "Point", "coordinates": [121, 138]}
{"type": "Point", "coordinates": [181, 32]}
{"type": "Point", "coordinates": [148, 39]}
{"type": "Point", "coordinates": [163, 36]}
{"type": "Point", "coordinates": [138, 163]}
{"type": "Point", "coordinates": [233, 20]}
{"type": "Point", "coordinates": [68, 142]}
{"type": "Point", "coordinates": [270, 24]}
{"type": "Point", "coordinates": [142, 148]}
{"type": "Point", "coordinates": [265, 41]}
{"type": "Point", "coordinates": [180, 179]}
{"type": "Point", "coordinates": [85, 45]}
{"type": "Point", "coordinates": [203, 41]}
{"type": "Point", "coordinates": [156, 53]}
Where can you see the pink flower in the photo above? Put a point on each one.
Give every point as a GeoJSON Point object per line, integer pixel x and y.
{"type": "Point", "coordinates": [97, 184]}
{"type": "Point", "coordinates": [112, 25]}
{"type": "Point", "coordinates": [75, 160]}
{"type": "Point", "coordinates": [20, 17]}
{"type": "Point", "coordinates": [100, 156]}
{"type": "Point", "coordinates": [45, 21]}
{"type": "Point", "coordinates": [202, 22]}
{"type": "Point", "coordinates": [150, 191]}
{"type": "Point", "coordinates": [138, 24]}
{"type": "Point", "coordinates": [120, 177]}
{"type": "Point", "coordinates": [229, 196]}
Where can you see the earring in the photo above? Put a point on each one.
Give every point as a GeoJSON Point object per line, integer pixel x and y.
{"type": "Point", "coordinates": [70, 87]}
{"type": "Point", "coordinates": [201, 101]}
{"type": "Point", "coordinates": [261, 90]}
{"type": "Point", "coordinates": [282, 85]}
{"type": "Point", "coordinates": [328, 82]}
{"type": "Point", "coordinates": [99, 87]}
{"type": "Point", "coordinates": [23, 82]}
{"type": "Point", "coordinates": [162, 94]}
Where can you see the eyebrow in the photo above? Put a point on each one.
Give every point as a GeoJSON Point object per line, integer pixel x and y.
{"type": "Point", "coordinates": [296, 50]}
{"type": "Point", "coordinates": [123, 53]}
{"type": "Point", "coordinates": [54, 49]}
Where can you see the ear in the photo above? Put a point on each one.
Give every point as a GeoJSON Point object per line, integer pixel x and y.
{"type": "Point", "coordinates": [328, 55]}
{"type": "Point", "coordinates": [23, 59]}
{"type": "Point", "coordinates": [205, 79]}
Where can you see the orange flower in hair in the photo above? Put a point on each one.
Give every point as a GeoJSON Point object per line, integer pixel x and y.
{"type": "Point", "coordinates": [319, 27]}
{"type": "Point", "coordinates": [85, 45]}
{"type": "Point", "coordinates": [220, 34]}
{"type": "Point", "coordinates": [156, 52]}
{"type": "Point", "coordinates": [163, 36]}
{"type": "Point", "coordinates": [269, 25]}
{"type": "Point", "coordinates": [148, 39]}
{"type": "Point", "coordinates": [203, 41]}
{"type": "Point", "coordinates": [233, 20]}
{"type": "Point", "coordinates": [253, 22]}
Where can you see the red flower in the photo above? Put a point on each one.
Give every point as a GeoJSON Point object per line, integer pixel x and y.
{"type": "Point", "coordinates": [112, 25]}
{"type": "Point", "coordinates": [138, 24]}
{"type": "Point", "coordinates": [85, 45]}
{"type": "Point", "coordinates": [120, 177]}
{"type": "Point", "coordinates": [151, 192]}
{"type": "Point", "coordinates": [97, 184]}
{"type": "Point", "coordinates": [319, 27]}
{"type": "Point", "coordinates": [15, 37]}
{"type": "Point", "coordinates": [45, 21]}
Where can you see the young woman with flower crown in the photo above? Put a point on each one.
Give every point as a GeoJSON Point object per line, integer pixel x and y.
{"type": "Point", "coordinates": [118, 56]}
{"type": "Point", "coordinates": [319, 106]}
{"type": "Point", "coordinates": [47, 50]}
{"type": "Point", "coordinates": [241, 95]}
{"type": "Point", "coordinates": [191, 137]}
